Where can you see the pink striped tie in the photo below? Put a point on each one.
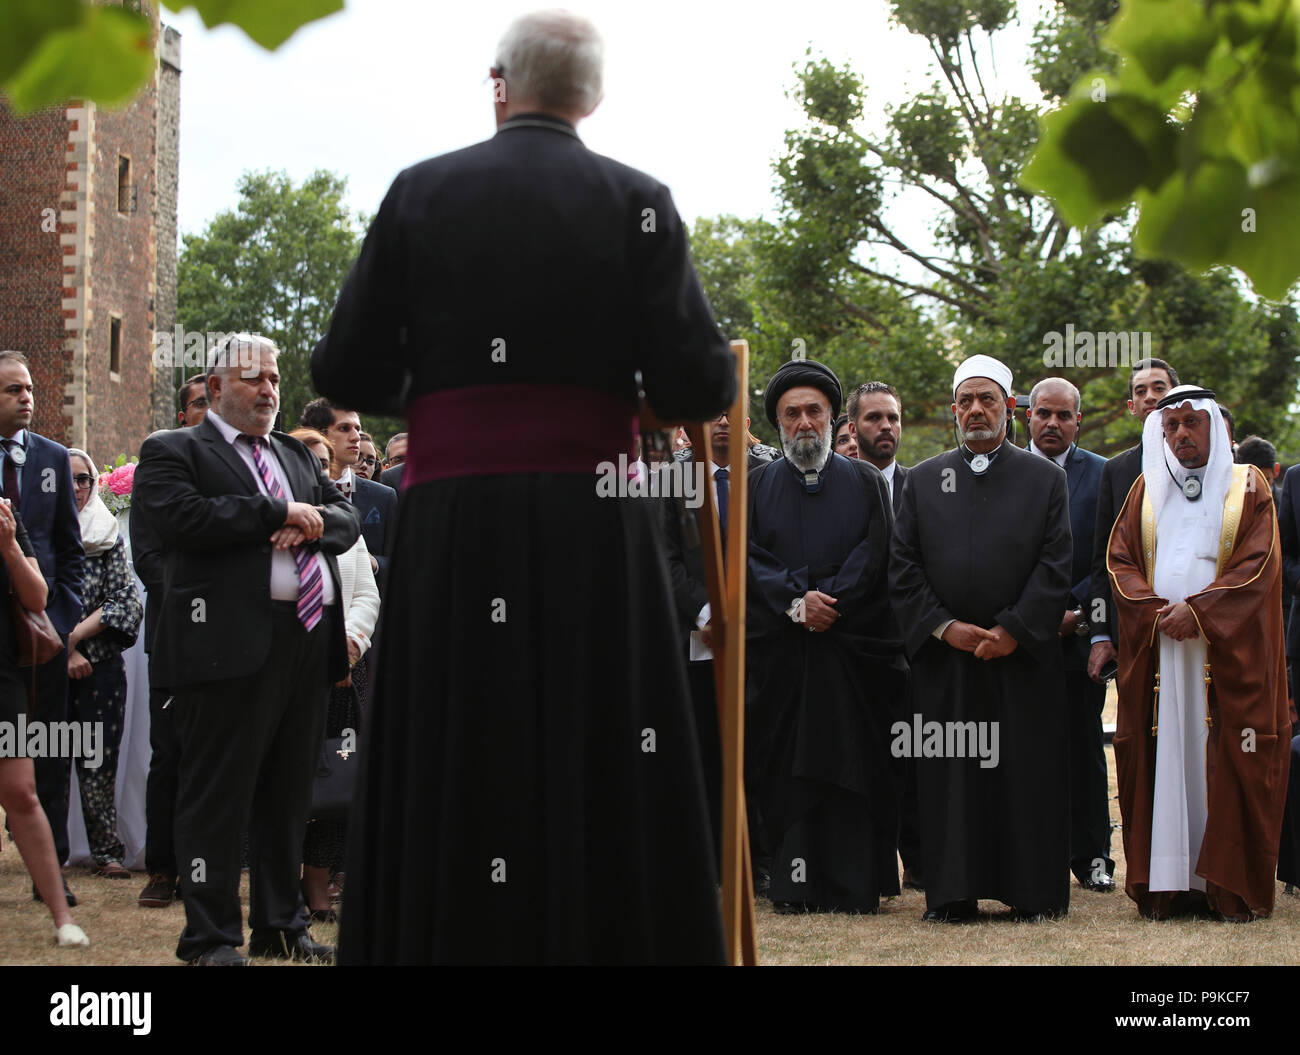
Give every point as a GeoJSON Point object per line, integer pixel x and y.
{"type": "Point", "coordinates": [310, 588]}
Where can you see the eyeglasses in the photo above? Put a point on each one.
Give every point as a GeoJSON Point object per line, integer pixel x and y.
{"type": "Point", "coordinates": [369, 459]}
{"type": "Point", "coordinates": [201, 401]}
{"type": "Point", "coordinates": [83, 480]}
{"type": "Point", "coordinates": [396, 459]}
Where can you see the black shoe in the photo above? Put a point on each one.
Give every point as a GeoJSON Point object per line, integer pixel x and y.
{"type": "Point", "coordinates": [1103, 885]}
{"type": "Point", "coordinates": [72, 901]}
{"type": "Point", "coordinates": [284, 945]}
{"type": "Point", "coordinates": [218, 956]}
{"type": "Point", "coordinates": [953, 912]}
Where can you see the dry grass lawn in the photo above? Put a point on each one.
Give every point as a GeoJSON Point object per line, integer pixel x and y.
{"type": "Point", "coordinates": [1100, 929]}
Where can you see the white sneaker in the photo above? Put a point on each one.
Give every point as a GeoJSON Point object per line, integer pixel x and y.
{"type": "Point", "coordinates": [70, 936]}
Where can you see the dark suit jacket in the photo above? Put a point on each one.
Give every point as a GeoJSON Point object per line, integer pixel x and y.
{"type": "Point", "coordinates": [147, 558]}
{"type": "Point", "coordinates": [1288, 523]}
{"type": "Point", "coordinates": [376, 507]}
{"type": "Point", "coordinates": [1117, 479]}
{"type": "Point", "coordinates": [1083, 478]}
{"type": "Point", "coordinates": [686, 562]}
{"type": "Point", "coordinates": [48, 507]}
{"type": "Point", "coordinates": [215, 526]}
{"type": "Point", "coordinates": [393, 477]}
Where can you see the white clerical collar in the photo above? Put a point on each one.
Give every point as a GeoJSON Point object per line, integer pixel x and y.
{"type": "Point", "coordinates": [1060, 459]}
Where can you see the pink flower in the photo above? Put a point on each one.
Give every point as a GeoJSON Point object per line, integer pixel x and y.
{"type": "Point", "coordinates": [120, 480]}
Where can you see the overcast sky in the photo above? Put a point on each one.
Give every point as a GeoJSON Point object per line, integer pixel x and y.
{"type": "Point", "coordinates": [694, 92]}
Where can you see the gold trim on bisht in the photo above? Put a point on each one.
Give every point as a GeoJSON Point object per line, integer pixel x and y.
{"type": "Point", "coordinates": [1233, 505]}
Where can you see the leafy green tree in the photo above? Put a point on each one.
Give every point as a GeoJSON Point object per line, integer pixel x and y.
{"type": "Point", "coordinates": [274, 265]}
{"type": "Point", "coordinates": [1002, 270]}
{"type": "Point", "coordinates": [1195, 116]}
{"type": "Point", "coordinates": [55, 50]}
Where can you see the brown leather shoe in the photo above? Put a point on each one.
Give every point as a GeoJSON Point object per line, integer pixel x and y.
{"type": "Point", "coordinates": [111, 870]}
{"type": "Point", "coordinates": [159, 892]}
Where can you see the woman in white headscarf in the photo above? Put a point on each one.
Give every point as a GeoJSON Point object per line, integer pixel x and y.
{"type": "Point", "coordinates": [110, 619]}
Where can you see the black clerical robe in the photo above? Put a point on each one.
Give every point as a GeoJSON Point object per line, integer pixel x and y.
{"type": "Point", "coordinates": [990, 550]}
{"type": "Point", "coordinates": [819, 702]}
{"type": "Point", "coordinates": [530, 788]}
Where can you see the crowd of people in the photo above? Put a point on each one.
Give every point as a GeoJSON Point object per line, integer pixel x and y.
{"type": "Point", "coordinates": [524, 660]}
{"type": "Point", "coordinates": [929, 649]}
{"type": "Point", "coordinates": [77, 543]}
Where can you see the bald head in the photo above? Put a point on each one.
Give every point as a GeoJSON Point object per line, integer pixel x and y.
{"type": "Point", "coordinates": [1054, 417]}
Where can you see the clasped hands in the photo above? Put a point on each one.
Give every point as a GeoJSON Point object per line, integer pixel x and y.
{"type": "Point", "coordinates": [986, 644]}
{"type": "Point", "coordinates": [1176, 621]}
{"type": "Point", "coordinates": [302, 523]}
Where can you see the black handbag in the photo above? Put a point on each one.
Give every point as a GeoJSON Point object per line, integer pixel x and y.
{"type": "Point", "coordinates": [336, 780]}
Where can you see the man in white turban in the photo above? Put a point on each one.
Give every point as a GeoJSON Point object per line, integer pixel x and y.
{"type": "Point", "coordinates": [979, 575]}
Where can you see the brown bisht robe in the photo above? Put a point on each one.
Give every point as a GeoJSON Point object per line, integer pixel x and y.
{"type": "Point", "coordinates": [1240, 618]}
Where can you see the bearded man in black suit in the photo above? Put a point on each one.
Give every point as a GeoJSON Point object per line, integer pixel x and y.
{"type": "Point", "coordinates": [249, 639]}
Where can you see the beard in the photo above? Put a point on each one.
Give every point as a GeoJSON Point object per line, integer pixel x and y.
{"type": "Point", "coordinates": [809, 449]}
{"type": "Point", "coordinates": [979, 435]}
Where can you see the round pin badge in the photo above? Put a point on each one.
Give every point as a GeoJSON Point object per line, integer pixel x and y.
{"type": "Point", "coordinates": [979, 464]}
{"type": "Point", "coordinates": [1192, 488]}
{"type": "Point", "coordinates": [17, 455]}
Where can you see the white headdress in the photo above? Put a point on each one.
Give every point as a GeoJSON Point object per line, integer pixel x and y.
{"type": "Point", "coordinates": [1164, 476]}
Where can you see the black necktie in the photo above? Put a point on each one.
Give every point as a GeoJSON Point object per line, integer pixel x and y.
{"type": "Point", "coordinates": [724, 489]}
{"type": "Point", "coordinates": [10, 473]}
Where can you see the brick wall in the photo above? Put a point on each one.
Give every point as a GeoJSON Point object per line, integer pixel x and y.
{"type": "Point", "coordinates": [71, 262]}
{"type": "Point", "coordinates": [33, 257]}
{"type": "Point", "coordinates": [168, 176]}
{"type": "Point", "coordinates": [123, 252]}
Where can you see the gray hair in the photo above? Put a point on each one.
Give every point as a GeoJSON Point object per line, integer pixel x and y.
{"type": "Point", "coordinates": [1038, 388]}
{"type": "Point", "coordinates": [553, 58]}
{"type": "Point", "coordinates": [236, 351]}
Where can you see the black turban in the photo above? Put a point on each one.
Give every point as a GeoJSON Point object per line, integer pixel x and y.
{"type": "Point", "coordinates": [799, 372]}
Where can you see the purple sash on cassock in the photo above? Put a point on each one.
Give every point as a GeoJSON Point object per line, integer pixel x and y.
{"type": "Point", "coordinates": [494, 430]}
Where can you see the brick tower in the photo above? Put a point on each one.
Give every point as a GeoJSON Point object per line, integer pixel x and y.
{"type": "Point", "coordinates": [88, 259]}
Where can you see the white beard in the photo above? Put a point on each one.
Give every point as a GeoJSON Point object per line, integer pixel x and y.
{"type": "Point", "coordinates": [808, 453]}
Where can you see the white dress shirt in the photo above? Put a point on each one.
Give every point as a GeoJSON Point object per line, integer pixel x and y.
{"type": "Point", "coordinates": [284, 569]}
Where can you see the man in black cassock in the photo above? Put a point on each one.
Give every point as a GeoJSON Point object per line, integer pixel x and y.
{"type": "Point", "coordinates": [530, 788]}
{"type": "Point", "coordinates": [824, 658]}
{"type": "Point", "coordinates": [979, 575]}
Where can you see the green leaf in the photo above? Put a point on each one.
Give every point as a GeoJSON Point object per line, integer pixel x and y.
{"type": "Point", "coordinates": [1191, 218]}
{"type": "Point", "coordinates": [1161, 35]}
{"type": "Point", "coordinates": [107, 57]}
{"type": "Point", "coordinates": [26, 24]}
{"type": "Point", "coordinates": [268, 22]}
{"type": "Point", "coordinates": [1268, 255]}
{"type": "Point", "coordinates": [1093, 156]}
